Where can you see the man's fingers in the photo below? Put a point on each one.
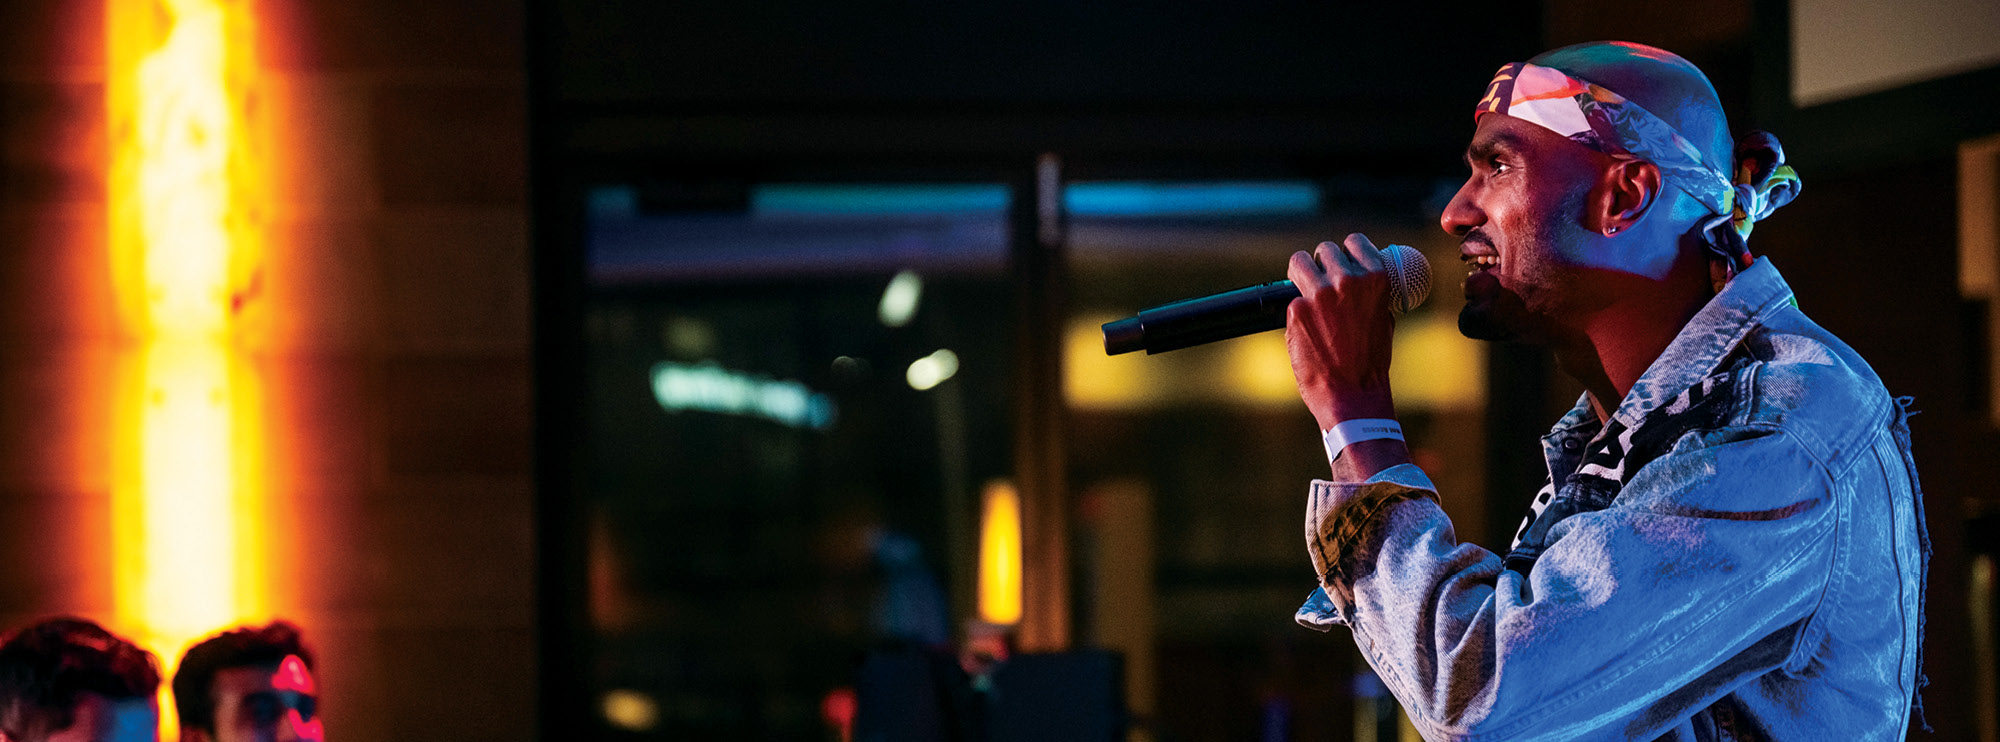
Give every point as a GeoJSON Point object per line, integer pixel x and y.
{"type": "Point", "coordinates": [1331, 262]}
{"type": "Point", "coordinates": [1337, 261]}
{"type": "Point", "coordinates": [1304, 272]}
{"type": "Point", "coordinates": [1364, 253]}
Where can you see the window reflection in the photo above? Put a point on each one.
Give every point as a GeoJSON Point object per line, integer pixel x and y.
{"type": "Point", "coordinates": [793, 393]}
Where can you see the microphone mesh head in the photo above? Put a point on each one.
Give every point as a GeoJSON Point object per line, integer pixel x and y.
{"type": "Point", "coordinates": [1409, 277]}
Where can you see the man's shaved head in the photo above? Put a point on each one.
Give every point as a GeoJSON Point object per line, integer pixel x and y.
{"type": "Point", "coordinates": [1658, 80]}
{"type": "Point", "coordinates": [1670, 88]}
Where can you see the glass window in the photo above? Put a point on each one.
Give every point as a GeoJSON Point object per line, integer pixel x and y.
{"type": "Point", "coordinates": [794, 393]}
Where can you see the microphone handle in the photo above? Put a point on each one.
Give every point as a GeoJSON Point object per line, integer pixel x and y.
{"type": "Point", "coordinates": [1206, 319]}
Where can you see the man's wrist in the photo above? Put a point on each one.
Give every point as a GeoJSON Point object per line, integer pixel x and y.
{"type": "Point", "coordinates": [1360, 461]}
{"type": "Point", "coordinates": [1333, 410]}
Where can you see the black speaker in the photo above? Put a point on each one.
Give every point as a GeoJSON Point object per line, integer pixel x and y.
{"type": "Point", "coordinates": [914, 695]}
{"type": "Point", "coordinates": [1076, 695]}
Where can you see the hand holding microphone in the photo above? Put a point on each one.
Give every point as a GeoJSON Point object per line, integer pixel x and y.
{"type": "Point", "coordinates": [1253, 309]}
{"type": "Point", "coordinates": [1338, 339]}
{"type": "Point", "coordinates": [1337, 335]}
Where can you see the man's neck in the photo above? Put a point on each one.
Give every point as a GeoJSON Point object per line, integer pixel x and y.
{"type": "Point", "coordinates": [1617, 344]}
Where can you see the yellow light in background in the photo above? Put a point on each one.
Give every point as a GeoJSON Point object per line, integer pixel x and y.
{"type": "Point", "coordinates": [630, 710]}
{"type": "Point", "coordinates": [1093, 380]}
{"type": "Point", "coordinates": [185, 259]}
{"type": "Point", "coordinates": [1260, 370]}
{"type": "Point", "coordinates": [1433, 368]}
{"type": "Point", "coordinates": [1000, 555]}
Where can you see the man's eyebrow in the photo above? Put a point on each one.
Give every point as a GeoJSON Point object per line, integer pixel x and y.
{"type": "Point", "coordinates": [1480, 149]}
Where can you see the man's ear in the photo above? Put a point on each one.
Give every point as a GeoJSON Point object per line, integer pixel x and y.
{"type": "Point", "coordinates": [1625, 190]}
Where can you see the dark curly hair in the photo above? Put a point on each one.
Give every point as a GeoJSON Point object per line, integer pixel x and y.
{"type": "Point", "coordinates": [43, 667]}
{"type": "Point", "coordinates": [248, 646]}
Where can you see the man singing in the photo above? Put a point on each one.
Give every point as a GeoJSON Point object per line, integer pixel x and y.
{"type": "Point", "coordinates": [1731, 545]}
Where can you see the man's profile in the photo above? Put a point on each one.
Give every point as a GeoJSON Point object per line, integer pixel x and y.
{"type": "Point", "coordinates": [250, 684]}
{"type": "Point", "coordinates": [68, 680]}
{"type": "Point", "coordinates": [1731, 542]}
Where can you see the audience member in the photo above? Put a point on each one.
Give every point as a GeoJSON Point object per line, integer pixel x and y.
{"type": "Point", "coordinates": [68, 680]}
{"type": "Point", "coordinates": [249, 684]}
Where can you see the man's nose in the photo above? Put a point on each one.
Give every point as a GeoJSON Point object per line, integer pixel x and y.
{"type": "Point", "coordinates": [1460, 216]}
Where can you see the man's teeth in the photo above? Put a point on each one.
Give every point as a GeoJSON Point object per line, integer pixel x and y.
{"type": "Point", "coordinates": [1478, 262]}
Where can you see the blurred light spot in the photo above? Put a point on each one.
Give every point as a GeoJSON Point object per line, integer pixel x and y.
{"type": "Point", "coordinates": [293, 676]}
{"type": "Point", "coordinates": [1093, 380]}
{"type": "Point", "coordinates": [1436, 367]}
{"type": "Point", "coordinates": [1259, 370]}
{"type": "Point", "coordinates": [612, 202]}
{"type": "Point", "coordinates": [1983, 636]}
{"type": "Point", "coordinates": [135, 720]}
{"type": "Point", "coordinates": [1048, 199]}
{"type": "Point", "coordinates": [932, 370]}
{"type": "Point", "coordinates": [850, 368]}
{"type": "Point", "coordinates": [1147, 199]}
{"type": "Point", "coordinates": [899, 300]}
{"type": "Point", "coordinates": [631, 710]}
{"type": "Point", "coordinates": [782, 200]}
{"type": "Point", "coordinates": [688, 337]}
{"type": "Point", "coordinates": [711, 388]}
{"type": "Point", "coordinates": [838, 709]}
{"type": "Point", "coordinates": [1000, 555]}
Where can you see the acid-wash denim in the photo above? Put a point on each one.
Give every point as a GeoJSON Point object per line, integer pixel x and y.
{"type": "Point", "coordinates": [1739, 553]}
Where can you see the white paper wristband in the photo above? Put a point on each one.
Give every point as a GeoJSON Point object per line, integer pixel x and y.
{"type": "Point", "coordinates": [1349, 432]}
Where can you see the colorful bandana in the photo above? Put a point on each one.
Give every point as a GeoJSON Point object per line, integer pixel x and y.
{"type": "Point", "coordinates": [1605, 121]}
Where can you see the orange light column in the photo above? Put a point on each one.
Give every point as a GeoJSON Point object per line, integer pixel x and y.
{"type": "Point", "coordinates": [1000, 555]}
{"type": "Point", "coordinates": [185, 259]}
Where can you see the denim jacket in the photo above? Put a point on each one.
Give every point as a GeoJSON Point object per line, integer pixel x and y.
{"type": "Point", "coordinates": [1739, 553]}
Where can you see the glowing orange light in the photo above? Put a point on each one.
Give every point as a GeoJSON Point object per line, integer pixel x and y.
{"type": "Point", "coordinates": [185, 255]}
{"type": "Point", "coordinates": [1000, 556]}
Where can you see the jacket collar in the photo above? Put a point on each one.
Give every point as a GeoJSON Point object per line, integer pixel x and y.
{"type": "Point", "coordinates": [1700, 347]}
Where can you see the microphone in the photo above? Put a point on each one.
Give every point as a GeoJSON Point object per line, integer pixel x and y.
{"type": "Point", "coordinates": [1250, 310]}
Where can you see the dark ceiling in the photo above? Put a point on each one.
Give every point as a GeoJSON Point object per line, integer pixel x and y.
{"type": "Point", "coordinates": [1369, 86]}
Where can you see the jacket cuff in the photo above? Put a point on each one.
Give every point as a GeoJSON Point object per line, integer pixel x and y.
{"type": "Point", "coordinates": [1338, 515]}
{"type": "Point", "coordinates": [1319, 613]}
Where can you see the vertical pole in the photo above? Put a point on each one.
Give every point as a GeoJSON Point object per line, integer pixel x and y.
{"type": "Point", "coordinates": [1039, 277]}
{"type": "Point", "coordinates": [1979, 266]}
{"type": "Point", "coordinates": [564, 646]}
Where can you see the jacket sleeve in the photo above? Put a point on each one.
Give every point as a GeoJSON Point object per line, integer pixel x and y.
{"type": "Point", "coordinates": [1702, 574]}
